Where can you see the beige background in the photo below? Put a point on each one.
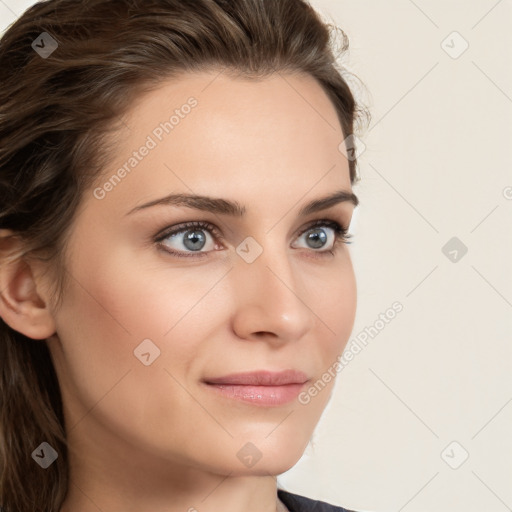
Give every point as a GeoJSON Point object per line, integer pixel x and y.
{"type": "Point", "coordinates": [436, 165]}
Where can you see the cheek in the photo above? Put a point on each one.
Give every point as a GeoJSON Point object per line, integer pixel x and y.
{"type": "Point", "coordinates": [109, 310]}
{"type": "Point", "coordinates": [105, 317]}
{"type": "Point", "coordinates": [345, 311]}
{"type": "Point", "coordinates": [336, 310]}
{"type": "Point", "coordinates": [332, 298]}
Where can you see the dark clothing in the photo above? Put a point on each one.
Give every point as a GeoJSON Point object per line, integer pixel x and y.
{"type": "Point", "coordinates": [296, 503]}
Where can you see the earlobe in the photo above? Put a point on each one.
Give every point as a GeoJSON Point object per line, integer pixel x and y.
{"type": "Point", "coordinates": [21, 306]}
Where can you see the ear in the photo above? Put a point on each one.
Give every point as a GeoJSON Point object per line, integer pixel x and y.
{"type": "Point", "coordinates": [21, 305]}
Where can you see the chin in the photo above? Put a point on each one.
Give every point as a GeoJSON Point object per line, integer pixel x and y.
{"type": "Point", "coordinates": [278, 453]}
{"type": "Point", "coordinates": [256, 456]}
{"type": "Point", "coordinates": [272, 465]}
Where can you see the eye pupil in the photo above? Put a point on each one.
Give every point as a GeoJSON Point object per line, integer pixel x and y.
{"type": "Point", "coordinates": [192, 238]}
{"type": "Point", "coordinates": [318, 237]}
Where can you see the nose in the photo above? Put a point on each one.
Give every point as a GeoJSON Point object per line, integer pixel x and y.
{"type": "Point", "coordinates": [271, 300]}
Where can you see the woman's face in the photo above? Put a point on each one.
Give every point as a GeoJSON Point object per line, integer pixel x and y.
{"type": "Point", "coordinates": [142, 329]}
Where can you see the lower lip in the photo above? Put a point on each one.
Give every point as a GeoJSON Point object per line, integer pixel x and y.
{"type": "Point", "coordinates": [259, 395]}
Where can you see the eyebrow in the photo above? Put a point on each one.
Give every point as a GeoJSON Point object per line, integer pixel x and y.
{"type": "Point", "coordinates": [233, 208]}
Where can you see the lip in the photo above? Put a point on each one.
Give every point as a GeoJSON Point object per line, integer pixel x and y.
{"type": "Point", "coordinates": [261, 378]}
{"type": "Point", "coordinates": [262, 387]}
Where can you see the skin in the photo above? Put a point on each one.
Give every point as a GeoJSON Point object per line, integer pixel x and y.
{"type": "Point", "coordinates": [155, 438]}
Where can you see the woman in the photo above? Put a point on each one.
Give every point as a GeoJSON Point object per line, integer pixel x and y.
{"type": "Point", "coordinates": [176, 290]}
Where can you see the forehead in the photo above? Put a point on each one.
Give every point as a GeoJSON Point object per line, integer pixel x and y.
{"type": "Point", "coordinates": [211, 133]}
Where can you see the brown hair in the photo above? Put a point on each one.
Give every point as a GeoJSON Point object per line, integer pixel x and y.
{"type": "Point", "coordinates": [54, 108]}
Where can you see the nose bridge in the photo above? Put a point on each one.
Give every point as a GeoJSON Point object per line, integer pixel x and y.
{"type": "Point", "coordinates": [268, 294]}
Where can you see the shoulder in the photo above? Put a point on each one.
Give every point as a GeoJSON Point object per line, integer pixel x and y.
{"type": "Point", "coordinates": [296, 503]}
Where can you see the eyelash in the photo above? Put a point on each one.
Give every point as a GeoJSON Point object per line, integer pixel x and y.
{"type": "Point", "coordinates": [341, 236]}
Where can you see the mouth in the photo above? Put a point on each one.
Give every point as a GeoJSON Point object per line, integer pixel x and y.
{"type": "Point", "coordinates": [263, 388]}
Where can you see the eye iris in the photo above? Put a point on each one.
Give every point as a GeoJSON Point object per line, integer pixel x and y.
{"type": "Point", "coordinates": [318, 237]}
{"type": "Point", "coordinates": [194, 240]}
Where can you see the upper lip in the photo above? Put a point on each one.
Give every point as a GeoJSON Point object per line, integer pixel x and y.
{"type": "Point", "coordinates": [261, 378]}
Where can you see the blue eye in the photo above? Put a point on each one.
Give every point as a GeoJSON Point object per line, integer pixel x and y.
{"type": "Point", "coordinates": [192, 237]}
{"type": "Point", "coordinates": [317, 236]}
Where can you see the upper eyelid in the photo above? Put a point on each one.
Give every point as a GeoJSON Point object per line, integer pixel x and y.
{"type": "Point", "coordinates": [321, 222]}
{"type": "Point", "coordinates": [184, 226]}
